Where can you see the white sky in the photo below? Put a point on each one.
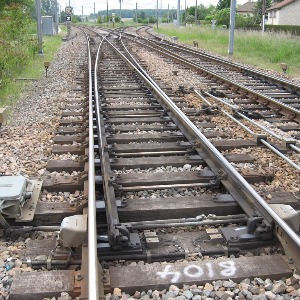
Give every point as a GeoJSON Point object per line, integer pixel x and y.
{"type": "Point", "coordinates": [88, 5]}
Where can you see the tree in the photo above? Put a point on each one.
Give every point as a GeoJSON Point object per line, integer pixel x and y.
{"type": "Point", "coordinates": [48, 7]}
{"type": "Point", "coordinates": [142, 15]}
{"type": "Point", "coordinates": [258, 9]}
{"type": "Point", "coordinates": [15, 44]}
{"type": "Point", "coordinates": [222, 16]}
{"type": "Point", "coordinates": [202, 12]}
{"type": "Point", "coordinates": [99, 20]}
{"type": "Point", "coordinates": [27, 4]}
{"type": "Point", "coordinates": [223, 4]}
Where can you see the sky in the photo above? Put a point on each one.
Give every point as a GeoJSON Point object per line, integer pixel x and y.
{"type": "Point", "coordinates": [88, 5]}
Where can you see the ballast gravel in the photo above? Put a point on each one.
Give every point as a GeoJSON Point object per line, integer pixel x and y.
{"type": "Point", "coordinates": [256, 289]}
{"type": "Point", "coordinates": [26, 144]}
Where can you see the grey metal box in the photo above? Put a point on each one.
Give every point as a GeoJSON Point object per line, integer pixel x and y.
{"type": "Point", "coordinates": [12, 187]}
{"type": "Point", "coordinates": [12, 195]}
{"type": "Point", "coordinates": [47, 25]}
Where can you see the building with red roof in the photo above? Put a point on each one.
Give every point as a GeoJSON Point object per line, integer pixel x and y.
{"type": "Point", "coordinates": [286, 12]}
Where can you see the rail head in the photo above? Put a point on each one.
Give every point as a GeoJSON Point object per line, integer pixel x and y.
{"type": "Point", "coordinates": [254, 204]}
{"type": "Point", "coordinates": [93, 271]}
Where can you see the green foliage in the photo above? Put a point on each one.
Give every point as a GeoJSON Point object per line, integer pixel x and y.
{"type": "Point", "coordinates": [25, 4]}
{"type": "Point", "coordinates": [202, 13]}
{"type": "Point", "coordinates": [222, 4]}
{"type": "Point", "coordinates": [99, 20]}
{"type": "Point", "coordinates": [258, 9]}
{"type": "Point", "coordinates": [189, 18]}
{"type": "Point", "coordinates": [292, 30]}
{"type": "Point", "coordinates": [15, 43]}
{"type": "Point", "coordinates": [48, 7]}
{"type": "Point", "coordinates": [266, 50]}
{"type": "Point", "coordinates": [152, 20]}
{"type": "Point", "coordinates": [222, 16]}
{"type": "Point", "coordinates": [76, 19]}
{"type": "Point", "coordinates": [34, 68]}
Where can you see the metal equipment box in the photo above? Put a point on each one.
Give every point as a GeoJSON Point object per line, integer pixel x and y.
{"type": "Point", "coordinates": [47, 25]}
{"type": "Point", "coordinates": [73, 231]}
{"type": "Point", "coordinates": [12, 195]}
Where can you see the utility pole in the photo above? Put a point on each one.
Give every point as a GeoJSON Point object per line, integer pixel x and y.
{"type": "Point", "coordinates": [185, 12]}
{"type": "Point", "coordinates": [263, 22]}
{"type": "Point", "coordinates": [95, 11]}
{"type": "Point", "coordinates": [107, 12]}
{"type": "Point", "coordinates": [156, 13]}
{"type": "Point", "coordinates": [69, 2]}
{"type": "Point", "coordinates": [120, 10]}
{"type": "Point", "coordinates": [196, 11]}
{"type": "Point", "coordinates": [81, 13]}
{"type": "Point", "coordinates": [136, 12]}
{"type": "Point", "coordinates": [39, 25]}
{"type": "Point", "coordinates": [168, 14]}
{"type": "Point", "coordinates": [178, 13]}
{"type": "Point", "coordinates": [231, 27]}
{"type": "Point", "coordinates": [56, 17]}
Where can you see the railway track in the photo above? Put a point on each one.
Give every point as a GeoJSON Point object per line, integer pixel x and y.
{"type": "Point", "coordinates": [163, 205]}
{"type": "Point", "coordinates": [233, 79]}
{"type": "Point", "coordinates": [146, 162]}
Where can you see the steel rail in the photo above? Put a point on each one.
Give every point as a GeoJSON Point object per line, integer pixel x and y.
{"type": "Point", "coordinates": [284, 107]}
{"type": "Point", "coordinates": [108, 189]}
{"type": "Point", "coordinates": [217, 162]}
{"type": "Point", "coordinates": [287, 83]}
{"type": "Point", "coordinates": [261, 140]}
{"type": "Point", "coordinates": [93, 263]}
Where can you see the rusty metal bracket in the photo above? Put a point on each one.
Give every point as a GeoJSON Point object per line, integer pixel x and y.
{"type": "Point", "coordinates": [215, 183]}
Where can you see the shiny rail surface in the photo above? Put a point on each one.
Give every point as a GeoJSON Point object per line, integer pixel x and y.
{"type": "Point", "coordinates": [251, 202]}
{"type": "Point", "coordinates": [232, 179]}
{"type": "Point", "coordinates": [178, 53]}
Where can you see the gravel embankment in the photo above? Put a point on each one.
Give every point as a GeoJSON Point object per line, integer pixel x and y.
{"type": "Point", "coordinates": [26, 143]}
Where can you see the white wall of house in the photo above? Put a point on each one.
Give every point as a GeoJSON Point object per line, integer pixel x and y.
{"type": "Point", "coordinates": [287, 15]}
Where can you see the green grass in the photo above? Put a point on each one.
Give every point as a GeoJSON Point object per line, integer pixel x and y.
{"type": "Point", "coordinates": [10, 93]}
{"type": "Point", "coordinates": [264, 50]}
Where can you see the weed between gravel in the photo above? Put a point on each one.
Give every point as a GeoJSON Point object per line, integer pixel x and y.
{"type": "Point", "coordinates": [263, 50]}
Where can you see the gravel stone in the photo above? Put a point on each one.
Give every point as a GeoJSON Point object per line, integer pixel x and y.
{"type": "Point", "coordinates": [270, 295]}
{"type": "Point", "coordinates": [208, 287]}
{"type": "Point", "coordinates": [155, 294]}
{"type": "Point", "coordinates": [187, 294]}
{"type": "Point", "coordinates": [259, 281]}
{"type": "Point", "coordinates": [268, 285]}
{"type": "Point", "coordinates": [254, 290]}
{"type": "Point", "coordinates": [260, 297]}
{"type": "Point", "coordinates": [229, 284]}
{"type": "Point", "coordinates": [279, 287]}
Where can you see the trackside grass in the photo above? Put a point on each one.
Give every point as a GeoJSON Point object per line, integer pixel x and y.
{"type": "Point", "coordinates": [264, 50]}
{"type": "Point", "coordinates": [34, 69]}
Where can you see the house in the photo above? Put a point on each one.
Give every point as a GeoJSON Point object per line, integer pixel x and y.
{"type": "Point", "coordinates": [286, 12]}
{"type": "Point", "coordinates": [247, 8]}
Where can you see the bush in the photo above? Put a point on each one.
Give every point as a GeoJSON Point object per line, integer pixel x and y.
{"type": "Point", "coordinates": [16, 45]}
